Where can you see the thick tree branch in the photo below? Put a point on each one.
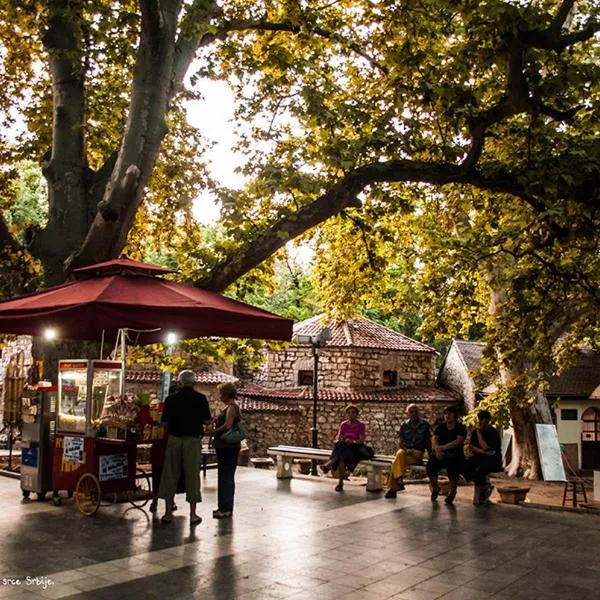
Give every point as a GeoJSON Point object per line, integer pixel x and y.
{"type": "Point", "coordinates": [144, 132]}
{"type": "Point", "coordinates": [201, 12]}
{"type": "Point", "coordinates": [342, 195]}
{"type": "Point", "coordinates": [518, 99]}
{"type": "Point", "coordinates": [551, 38]}
{"type": "Point", "coordinates": [287, 26]}
{"type": "Point", "coordinates": [63, 41]}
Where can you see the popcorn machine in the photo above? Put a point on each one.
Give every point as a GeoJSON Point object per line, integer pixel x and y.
{"type": "Point", "coordinates": [84, 386]}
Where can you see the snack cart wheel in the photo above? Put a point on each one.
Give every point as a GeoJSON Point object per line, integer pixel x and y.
{"type": "Point", "coordinates": [88, 494]}
{"type": "Point", "coordinates": [141, 495]}
{"type": "Point", "coordinates": [26, 493]}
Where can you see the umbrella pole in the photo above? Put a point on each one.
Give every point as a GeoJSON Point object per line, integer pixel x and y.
{"type": "Point", "coordinates": [122, 334]}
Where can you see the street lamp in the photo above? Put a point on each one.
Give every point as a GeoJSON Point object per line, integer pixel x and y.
{"type": "Point", "coordinates": [315, 342]}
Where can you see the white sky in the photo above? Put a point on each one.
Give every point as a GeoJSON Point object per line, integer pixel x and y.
{"type": "Point", "coordinates": [213, 115]}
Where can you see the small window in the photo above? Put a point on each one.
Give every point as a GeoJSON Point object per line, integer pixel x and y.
{"type": "Point", "coordinates": [568, 414]}
{"type": "Point", "coordinates": [390, 378]}
{"type": "Point", "coordinates": [305, 377]}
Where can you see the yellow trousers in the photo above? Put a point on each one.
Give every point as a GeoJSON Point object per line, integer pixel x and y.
{"type": "Point", "coordinates": [402, 460]}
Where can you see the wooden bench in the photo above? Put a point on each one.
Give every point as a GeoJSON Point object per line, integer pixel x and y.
{"type": "Point", "coordinates": [285, 455]}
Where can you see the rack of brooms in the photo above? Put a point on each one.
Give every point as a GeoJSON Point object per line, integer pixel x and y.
{"type": "Point", "coordinates": [14, 382]}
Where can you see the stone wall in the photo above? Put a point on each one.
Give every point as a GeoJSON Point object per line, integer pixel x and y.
{"type": "Point", "coordinates": [382, 420]}
{"type": "Point", "coordinates": [346, 368]}
{"type": "Point", "coordinates": [455, 376]}
{"type": "Point", "coordinates": [270, 428]}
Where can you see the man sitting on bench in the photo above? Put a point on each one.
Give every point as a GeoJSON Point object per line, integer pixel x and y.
{"type": "Point", "coordinates": [414, 440]}
{"type": "Point", "coordinates": [448, 453]}
{"type": "Point", "coordinates": [486, 457]}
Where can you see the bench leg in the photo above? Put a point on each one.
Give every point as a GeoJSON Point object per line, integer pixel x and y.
{"type": "Point", "coordinates": [374, 479]}
{"type": "Point", "coordinates": [284, 467]}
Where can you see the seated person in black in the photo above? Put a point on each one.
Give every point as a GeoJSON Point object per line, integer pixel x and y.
{"type": "Point", "coordinates": [447, 453]}
{"type": "Point", "coordinates": [486, 457]}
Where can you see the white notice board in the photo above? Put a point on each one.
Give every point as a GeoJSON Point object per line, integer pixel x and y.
{"type": "Point", "coordinates": [550, 454]}
{"type": "Point", "coordinates": [113, 466]}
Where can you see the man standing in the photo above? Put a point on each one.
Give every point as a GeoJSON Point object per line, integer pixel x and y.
{"type": "Point", "coordinates": [486, 457]}
{"type": "Point", "coordinates": [414, 440]}
{"type": "Point", "coordinates": [186, 412]}
{"type": "Point", "coordinates": [447, 453]}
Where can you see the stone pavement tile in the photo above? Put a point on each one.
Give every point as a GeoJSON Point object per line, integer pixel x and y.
{"type": "Point", "coordinates": [18, 594]}
{"type": "Point", "coordinates": [455, 577]}
{"type": "Point", "coordinates": [361, 595]}
{"type": "Point", "coordinates": [99, 569]}
{"type": "Point", "coordinates": [411, 577]}
{"type": "Point", "coordinates": [437, 585]}
{"type": "Point", "coordinates": [383, 589]}
{"type": "Point", "coordinates": [355, 581]}
{"type": "Point", "coordinates": [395, 566]}
{"type": "Point", "coordinates": [488, 584]}
{"type": "Point", "coordinates": [326, 591]}
{"type": "Point", "coordinates": [376, 571]}
{"type": "Point", "coordinates": [465, 593]}
{"type": "Point", "coordinates": [121, 576]}
{"type": "Point", "coordinates": [274, 590]}
{"type": "Point", "coordinates": [416, 593]}
{"type": "Point", "coordinates": [322, 573]}
{"type": "Point", "coordinates": [90, 583]}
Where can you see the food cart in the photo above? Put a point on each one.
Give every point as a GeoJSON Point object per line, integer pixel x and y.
{"type": "Point", "coordinates": [94, 451]}
{"type": "Point", "coordinates": [97, 433]}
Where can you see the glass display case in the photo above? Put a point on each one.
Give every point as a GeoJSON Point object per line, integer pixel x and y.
{"type": "Point", "coordinates": [83, 389]}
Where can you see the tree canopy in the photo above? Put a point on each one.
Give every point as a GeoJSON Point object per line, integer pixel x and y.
{"type": "Point", "coordinates": [460, 137]}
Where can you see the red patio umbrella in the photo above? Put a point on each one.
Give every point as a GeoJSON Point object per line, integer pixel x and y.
{"type": "Point", "coordinates": [126, 294]}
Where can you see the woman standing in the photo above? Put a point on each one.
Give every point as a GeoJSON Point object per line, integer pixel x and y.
{"type": "Point", "coordinates": [349, 448]}
{"type": "Point", "coordinates": [227, 454]}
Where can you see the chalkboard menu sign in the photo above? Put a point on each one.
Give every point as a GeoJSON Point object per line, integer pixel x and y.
{"type": "Point", "coordinates": [550, 454]}
{"type": "Point", "coordinates": [113, 466]}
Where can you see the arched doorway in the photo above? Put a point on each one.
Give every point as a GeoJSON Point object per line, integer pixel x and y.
{"type": "Point", "coordinates": [590, 438]}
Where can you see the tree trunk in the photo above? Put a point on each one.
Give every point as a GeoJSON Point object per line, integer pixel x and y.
{"type": "Point", "coordinates": [525, 460]}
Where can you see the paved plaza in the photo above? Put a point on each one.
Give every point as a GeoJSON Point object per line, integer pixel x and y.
{"type": "Point", "coordinates": [298, 540]}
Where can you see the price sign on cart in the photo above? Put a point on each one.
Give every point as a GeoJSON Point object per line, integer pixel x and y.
{"type": "Point", "coordinates": [73, 449]}
{"type": "Point", "coordinates": [113, 466]}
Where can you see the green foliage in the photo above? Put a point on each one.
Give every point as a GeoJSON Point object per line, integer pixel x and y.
{"type": "Point", "coordinates": [26, 205]}
{"type": "Point", "coordinates": [291, 293]}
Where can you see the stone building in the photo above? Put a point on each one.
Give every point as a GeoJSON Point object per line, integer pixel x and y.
{"type": "Point", "coordinates": [459, 371]}
{"type": "Point", "coordinates": [574, 397]}
{"type": "Point", "coordinates": [363, 363]}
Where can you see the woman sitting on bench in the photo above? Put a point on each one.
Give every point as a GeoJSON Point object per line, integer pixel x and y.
{"type": "Point", "coordinates": [349, 449]}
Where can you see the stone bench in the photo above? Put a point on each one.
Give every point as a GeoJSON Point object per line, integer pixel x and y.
{"type": "Point", "coordinates": [285, 456]}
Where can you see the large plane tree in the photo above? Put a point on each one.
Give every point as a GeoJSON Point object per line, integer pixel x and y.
{"type": "Point", "coordinates": [351, 107]}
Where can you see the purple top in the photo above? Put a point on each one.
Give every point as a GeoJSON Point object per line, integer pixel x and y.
{"type": "Point", "coordinates": [347, 431]}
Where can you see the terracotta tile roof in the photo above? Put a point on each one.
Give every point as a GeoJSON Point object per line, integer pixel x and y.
{"type": "Point", "coordinates": [402, 395]}
{"type": "Point", "coordinates": [471, 353]}
{"type": "Point", "coordinates": [210, 377]}
{"type": "Point", "coordinates": [361, 333]}
{"type": "Point", "coordinates": [250, 405]}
